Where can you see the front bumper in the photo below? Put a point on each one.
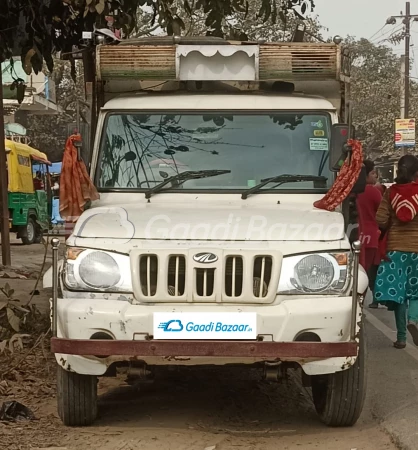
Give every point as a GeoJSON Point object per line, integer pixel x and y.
{"type": "Point", "coordinates": [222, 349]}
{"type": "Point", "coordinates": [130, 331]}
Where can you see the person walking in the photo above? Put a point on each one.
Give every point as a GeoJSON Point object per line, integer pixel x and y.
{"type": "Point", "coordinates": [397, 278]}
{"type": "Point", "coordinates": [367, 205]}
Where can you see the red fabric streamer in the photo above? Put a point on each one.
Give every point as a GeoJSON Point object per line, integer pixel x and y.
{"type": "Point", "coordinates": [345, 181]}
{"type": "Point", "coordinates": [76, 187]}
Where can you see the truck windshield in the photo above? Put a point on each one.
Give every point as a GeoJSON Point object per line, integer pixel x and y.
{"type": "Point", "coordinates": [140, 151]}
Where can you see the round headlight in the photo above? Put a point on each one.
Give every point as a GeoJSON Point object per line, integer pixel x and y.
{"type": "Point", "coordinates": [314, 273]}
{"type": "Point", "coordinates": [99, 270]}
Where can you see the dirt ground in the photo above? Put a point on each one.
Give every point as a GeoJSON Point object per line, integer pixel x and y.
{"type": "Point", "coordinates": [183, 409]}
{"type": "Point", "coordinates": [205, 409]}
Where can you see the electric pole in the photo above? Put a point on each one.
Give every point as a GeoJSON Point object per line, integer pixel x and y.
{"type": "Point", "coordinates": [407, 55]}
{"type": "Point", "coordinates": [4, 207]}
{"type": "Point", "coordinates": [402, 90]}
{"type": "Point", "coordinates": [406, 19]}
{"type": "Point", "coordinates": [405, 63]}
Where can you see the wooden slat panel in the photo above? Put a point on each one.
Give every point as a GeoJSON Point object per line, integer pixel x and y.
{"type": "Point", "coordinates": [278, 61]}
{"type": "Point", "coordinates": [145, 62]}
{"type": "Point", "coordinates": [298, 61]}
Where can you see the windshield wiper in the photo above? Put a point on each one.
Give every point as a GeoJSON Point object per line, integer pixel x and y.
{"type": "Point", "coordinates": [180, 178]}
{"type": "Point", "coordinates": [281, 179]}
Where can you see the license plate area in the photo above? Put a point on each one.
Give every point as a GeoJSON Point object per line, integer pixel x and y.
{"type": "Point", "coordinates": [205, 326]}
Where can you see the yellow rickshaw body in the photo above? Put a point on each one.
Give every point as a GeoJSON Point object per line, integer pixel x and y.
{"type": "Point", "coordinates": [19, 160]}
{"type": "Point", "coordinates": [27, 206]}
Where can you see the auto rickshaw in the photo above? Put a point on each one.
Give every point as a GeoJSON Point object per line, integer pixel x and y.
{"type": "Point", "coordinates": [29, 197]}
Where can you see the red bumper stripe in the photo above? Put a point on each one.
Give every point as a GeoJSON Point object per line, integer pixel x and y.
{"type": "Point", "coordinates": [204, 348]}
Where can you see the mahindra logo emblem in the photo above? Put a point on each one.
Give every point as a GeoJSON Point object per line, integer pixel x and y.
{"type": "Point", "coordinates": [205, 258]}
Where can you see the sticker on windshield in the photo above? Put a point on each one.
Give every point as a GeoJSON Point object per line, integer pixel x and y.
{"type": "Point", "coordinates": [319, 133]}
{"type": "Point", "coordinates": [319, 144]}
{"type": "Point", "coordinates": [318, 124]}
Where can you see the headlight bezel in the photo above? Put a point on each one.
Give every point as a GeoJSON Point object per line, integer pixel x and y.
{"type": "Point", "coordinates": [73, 281]}
{"type": "Point", "coordinates": [340, 284]}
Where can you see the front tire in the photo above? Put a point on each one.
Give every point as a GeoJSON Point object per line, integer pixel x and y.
{"type": "Point", "coordinates": [77, 398]}
{"type": "Point", "coordinates": [339, 397]}
{"type": "Point", "coordinates": [28, 233]}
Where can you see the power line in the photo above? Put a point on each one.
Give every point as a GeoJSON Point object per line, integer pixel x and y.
{"type": "Point", "coordinates": [387, 38]}
{"type": "Point", "coordinates": [385, 35]}
{"type": "Point", "coordinates": [415, 59]}
{"type": "Point", "coordinates": [377, 32]}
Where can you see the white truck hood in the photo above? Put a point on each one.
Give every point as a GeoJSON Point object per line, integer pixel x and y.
{"type": "Point", "coordinates": [196, 219]}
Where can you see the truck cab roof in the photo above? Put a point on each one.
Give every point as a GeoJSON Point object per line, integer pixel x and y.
{"type": "Point", "coordinates": [218, 101]}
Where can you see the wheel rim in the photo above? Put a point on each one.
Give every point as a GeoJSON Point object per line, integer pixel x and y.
{"type": "Point", "coordinates": [30, 231]}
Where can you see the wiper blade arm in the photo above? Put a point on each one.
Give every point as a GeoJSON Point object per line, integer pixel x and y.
{"type": "Point", "coordinates": [281, 179]}
{"type": "Point", "coordinates": [183, 177]}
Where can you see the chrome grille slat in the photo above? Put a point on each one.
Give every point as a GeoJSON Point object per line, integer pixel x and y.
{"type": "Point", "coordinates": [234, 264]}
{"type": "Point", "coordinates": [262, 274]}
{"type": "Point", "coordinates": [263, 267]}
{"type": "Point", "coordinates": [176, 284]}
{"type": "Point", "coordinates": [176, 275]}
{"type": "Point", "coordinates": [149, 277]}
{"type": "Point", "coordinates": [148, 274]}
{"type": "Point", "coordinates": [233, 276]}
{"type": "Point", "coordinates": [205, 283]}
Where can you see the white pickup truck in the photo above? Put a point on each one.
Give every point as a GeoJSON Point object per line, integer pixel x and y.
{"type": "Point", "coordinates": [205, 247]}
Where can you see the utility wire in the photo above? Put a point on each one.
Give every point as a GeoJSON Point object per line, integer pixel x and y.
{"type": "Point", "coordinates": [377, 32]}
{"type": "Point", "coordinates": [394, 32]}
{"type": "Point", "coordinates": [415, 59]}
{"type": "Point", "coordinates": [388, 32]}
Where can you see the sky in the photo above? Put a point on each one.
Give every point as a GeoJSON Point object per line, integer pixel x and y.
{"type": "Point", "coordinates": [364, 18]}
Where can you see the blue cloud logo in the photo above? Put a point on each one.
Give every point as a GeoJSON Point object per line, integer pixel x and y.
{"type": "Point", "coordinates": [172, 325]}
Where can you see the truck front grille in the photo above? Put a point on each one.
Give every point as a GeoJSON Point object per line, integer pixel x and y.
{"type": "Point", "coordinates": [245, 277]}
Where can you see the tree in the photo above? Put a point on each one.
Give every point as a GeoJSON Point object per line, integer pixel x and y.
{"type": "Point", "coordinates": [249, 25]}
{"type": "Point", "coordinates": [37, 28]}
{"type": "Point", "coordinates": [376, 84]}
{"type": "Point", "coordinates": [48, 135]}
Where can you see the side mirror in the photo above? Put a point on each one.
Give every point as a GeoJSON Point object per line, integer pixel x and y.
{"type": "Point", "coordinates": [340, 135]}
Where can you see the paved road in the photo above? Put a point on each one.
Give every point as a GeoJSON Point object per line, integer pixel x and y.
{"type": "Point", "coordinates": [393, 380]}
{"type": "Point", "coordinates": [230, 410]}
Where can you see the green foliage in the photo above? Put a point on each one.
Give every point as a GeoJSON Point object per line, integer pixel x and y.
{"type": "Point", "coordinates": [11, 310]}
{"type": "Point", "coordinates": [49, 133]}
{"type": "Point", "coordinates": [250, 25]}
{"type": "Point", "coordinates": [375, 91]}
